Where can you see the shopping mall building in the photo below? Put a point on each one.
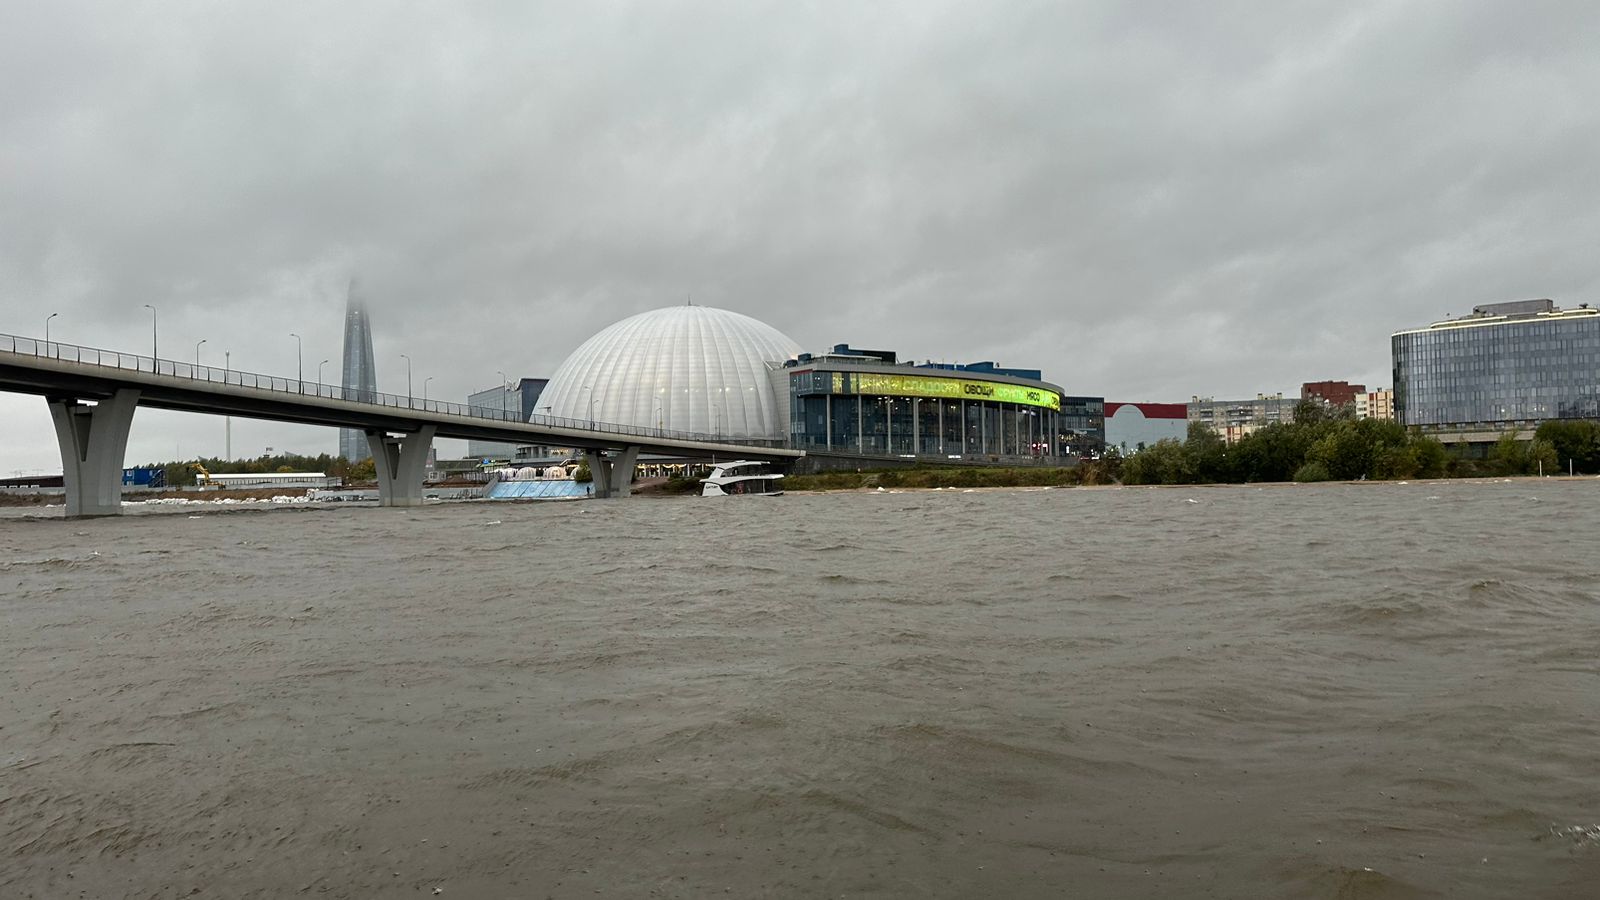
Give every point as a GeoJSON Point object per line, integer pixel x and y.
{"type": "Point", "coordinates": [867, 402]}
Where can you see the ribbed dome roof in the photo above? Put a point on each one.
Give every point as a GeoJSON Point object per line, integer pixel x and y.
{"type": "Point", "coordinates": [686, 368]}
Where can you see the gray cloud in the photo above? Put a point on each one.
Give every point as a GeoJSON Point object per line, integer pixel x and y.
{"type": "Point", "coordinates": [1147, 201]}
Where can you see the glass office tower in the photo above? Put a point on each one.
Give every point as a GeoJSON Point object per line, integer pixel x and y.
{"type": "Point", "coordinates": [1507, 364]}
{"type": "Point", "coordinates": [360, 379]}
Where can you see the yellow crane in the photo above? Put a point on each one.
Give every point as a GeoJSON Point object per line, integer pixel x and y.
{"type": "Point", "coordinates": [205, 477]}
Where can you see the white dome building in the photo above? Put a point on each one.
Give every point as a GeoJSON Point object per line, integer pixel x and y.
{"type": "Point", "coordinates": [682, 368]}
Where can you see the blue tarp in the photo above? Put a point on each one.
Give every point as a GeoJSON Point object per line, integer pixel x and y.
{"type": "Point", "coordinates": [538, 490]}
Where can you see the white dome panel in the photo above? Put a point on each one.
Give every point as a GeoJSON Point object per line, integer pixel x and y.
{"type": "Point", "coordinates": [682, 368]}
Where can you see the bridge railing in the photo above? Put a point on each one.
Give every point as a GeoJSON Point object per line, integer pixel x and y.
{"type": "Point", "coordinates": [115, 359]}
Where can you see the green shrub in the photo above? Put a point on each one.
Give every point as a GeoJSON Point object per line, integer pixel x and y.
{"type": "Point", "coordinates": [677, 484]}
{"type": "Point", "coordinates": [1310, 472]}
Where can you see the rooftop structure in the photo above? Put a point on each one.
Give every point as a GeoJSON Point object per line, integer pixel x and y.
{"type": "Point", "coordinates": [1515, 308]}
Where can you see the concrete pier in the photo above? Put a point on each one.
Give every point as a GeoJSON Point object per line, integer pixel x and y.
{"type": "Point", "coordinates": [612, 471]}
{"type": "Point", "coordinates": [93, 440]}
{"type": "Point", "coordinates": [400, 463]}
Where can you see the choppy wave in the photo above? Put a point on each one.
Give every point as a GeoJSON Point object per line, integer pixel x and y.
{"type": "Point", "coordinates": [1320, 691]}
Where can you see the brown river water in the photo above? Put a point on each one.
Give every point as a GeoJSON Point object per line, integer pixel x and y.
{"type": "Point", "coordinates": [1344, 691]}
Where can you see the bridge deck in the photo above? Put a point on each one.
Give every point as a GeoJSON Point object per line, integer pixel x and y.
{"type": "Point", "coordinates": [57, 370]}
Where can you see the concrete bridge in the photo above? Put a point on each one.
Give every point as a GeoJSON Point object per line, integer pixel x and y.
{"type": "Point", "coordinates": [93, 394]}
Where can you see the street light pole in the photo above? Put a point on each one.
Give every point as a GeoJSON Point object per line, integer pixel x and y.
{"type": "Point", "coordinates": [591, 404]}
{"type": "Point", "coordinates": [425, 389]}
{"type": "Point", "coordinates": [408, 377]}
{"type": "Point", "coordinates": [227, 421]}
{"type": "Point", "coordinates": [197, 352]}
{"type": "Point", "coordinates": [319, 376]}
{"type": "Point", "coordinates": [154, 353]}
{"type": "Point", "coordinates": [47, 329]}
{"type": "Point", "coordinates": [299, 363]}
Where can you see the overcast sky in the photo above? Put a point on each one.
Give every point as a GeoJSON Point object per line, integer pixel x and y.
{"type": "Point", "coordinates": [1146, 200]}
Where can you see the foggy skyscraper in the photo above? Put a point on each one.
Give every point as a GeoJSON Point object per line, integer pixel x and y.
{"type": "Point", "coordinates": [360, 378]}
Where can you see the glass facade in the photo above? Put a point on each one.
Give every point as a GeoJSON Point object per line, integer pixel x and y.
{"type": "Point", "coordinates": [1515, 370]}
{"type": "Point", "coordinates": [1083, 423]}
{"type": "Point", "coordinates": [517, 402]}
{"type": "Point", "coordinates": [359, 378]}
{"type": "Point", "coordinates": [907, 414]}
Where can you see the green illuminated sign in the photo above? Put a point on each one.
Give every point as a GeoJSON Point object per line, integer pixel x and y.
{"type": "Point", "coordinates": [947, 389]}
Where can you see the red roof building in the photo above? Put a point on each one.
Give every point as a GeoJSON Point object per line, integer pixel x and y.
{"type": "Point", "coordinates": [1337, 393]}
{"type": "Point", "coordinates": [1130, 427]}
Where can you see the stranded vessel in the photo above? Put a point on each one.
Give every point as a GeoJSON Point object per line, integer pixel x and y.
{"type": "Point", "coordinates": [740, 477]}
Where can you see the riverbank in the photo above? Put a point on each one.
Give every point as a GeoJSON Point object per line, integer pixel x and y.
{"type": "Point", "coordinates": [846, 482]}
{"type": "Point", "coordinates": [194, 496]}
{"type": "Point", "coordinates": [952, 477]}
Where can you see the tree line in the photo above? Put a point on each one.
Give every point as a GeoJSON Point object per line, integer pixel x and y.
{"type": "Point", "coordinates": [182, 473]}
{"type": "Point", "coordinates": [1330, 444]}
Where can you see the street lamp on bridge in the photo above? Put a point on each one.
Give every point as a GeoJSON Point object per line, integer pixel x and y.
{"type": "Point", "coordinates": [319, 376]}
{"type": "Point", "coordinates": [299, 363]}
{"type": "Point", "coordinates": [153, 353]}
{"type": "Point", "coordinates": [408, 377]}
{"type": "Point", "coordinates": [197, 352]}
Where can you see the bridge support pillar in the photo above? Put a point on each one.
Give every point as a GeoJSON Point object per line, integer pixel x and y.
{"type": "Point", "coordinates": [93, 440]}
{"type": "Point", "coordinates": [612, 471]}
{"type": "Point", "coordinates": [399, 463]}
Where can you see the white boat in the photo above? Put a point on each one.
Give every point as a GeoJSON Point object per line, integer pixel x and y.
{"type": "Point", "coordinates": [740, 477]}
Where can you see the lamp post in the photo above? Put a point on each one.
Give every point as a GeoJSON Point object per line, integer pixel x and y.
{"type": "Point", "coordinates": [227, 421]}
{"type": "Point", "coordinates": [590, 390]}
{"type": "Point", "coordinates": [154, 354]}
{"type": "Point", "coordinates": [408, 377]}
{"type": "Point", "coordinates": [658, 413]}
{"type": "Point", "coordinates": [197, 352]}
{"type": "Point", "coordinates": [319, 375]}
{"type": "Point", "coordinates": [47, 329]}
{"type": "Point", "coordinates": [299, 363]}
{"type": "Point", "coordinates": [425, 390]}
